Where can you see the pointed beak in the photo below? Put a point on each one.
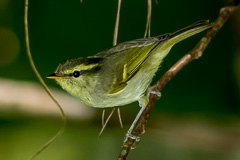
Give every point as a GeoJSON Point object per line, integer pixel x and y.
{"type": "Point", "coordinates": [54, 76]}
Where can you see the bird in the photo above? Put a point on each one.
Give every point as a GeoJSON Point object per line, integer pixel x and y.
{"type": "Point", "coordinates": [121, 74]}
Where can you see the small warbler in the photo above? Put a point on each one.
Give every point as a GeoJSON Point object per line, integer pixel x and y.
{"type": "Point", "coordinates": [121, 74]}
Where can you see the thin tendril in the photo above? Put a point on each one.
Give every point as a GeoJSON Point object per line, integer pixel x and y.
{"type": "Point", "coordinates": [61, 130]}
{"type": "Point", "coordinates": [115, 43]}
{"type": "Point", "coordinates": [117, 23]}
{"type": "Point", "coordinates": [120, 118]}
{"type": "Point", "coordinates": [103, 117]}
{"type": "Point", "coordinates": [148, 24]}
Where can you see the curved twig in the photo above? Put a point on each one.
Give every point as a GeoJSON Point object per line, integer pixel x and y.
{"type": "Point", "coordinates": [59, 133]}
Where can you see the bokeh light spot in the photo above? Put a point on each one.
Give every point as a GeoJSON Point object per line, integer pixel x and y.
{"type": "Point", "coordinates": [9, 47]}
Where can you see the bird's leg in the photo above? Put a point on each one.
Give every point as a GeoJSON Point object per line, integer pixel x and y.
{"type": "Point", "coordinates": [129, 132]}
{"type": "Point", "coordinates": [143, 101]}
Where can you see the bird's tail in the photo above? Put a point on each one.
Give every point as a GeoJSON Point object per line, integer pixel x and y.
{"type": "Point", "coordinates": [189, 31]}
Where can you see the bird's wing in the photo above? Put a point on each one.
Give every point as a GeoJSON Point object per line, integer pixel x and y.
{"type": "Point", "coordinates": [137, 52]}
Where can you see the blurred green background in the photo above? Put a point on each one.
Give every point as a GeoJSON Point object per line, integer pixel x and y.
{"type": "Point", "coordinates": [196, 118]}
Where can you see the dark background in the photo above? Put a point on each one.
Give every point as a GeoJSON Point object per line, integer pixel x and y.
{"type": "Point", "coordinates": [197, 116]}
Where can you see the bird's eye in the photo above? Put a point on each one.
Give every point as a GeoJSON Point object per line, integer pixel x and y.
{"type": "Point", "coordinates": [76, 74]}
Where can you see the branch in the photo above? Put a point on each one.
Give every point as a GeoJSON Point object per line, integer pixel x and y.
{"type": "Point", "coordinates": [195, 53]}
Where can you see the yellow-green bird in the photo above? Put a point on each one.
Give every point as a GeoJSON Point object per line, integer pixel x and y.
{"type": "Point", "coordinates": [122, 74]}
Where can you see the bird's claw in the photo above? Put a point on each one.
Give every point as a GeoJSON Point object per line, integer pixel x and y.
{"type": "Point", "coordinates": [133, 137]}
{"type": "Point", "coordinates": [151, 91]}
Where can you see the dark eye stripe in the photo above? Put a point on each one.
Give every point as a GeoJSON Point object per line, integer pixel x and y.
{"type": "Point", "coordinates": [77, 74]}
{"type": "Point", "coordinates": [89, 61]}
{"type": "Point", "coordinates": [92, 70]}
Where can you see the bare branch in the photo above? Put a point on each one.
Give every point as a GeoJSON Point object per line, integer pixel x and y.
{"type": "Point", "coordinates": [195, 53]}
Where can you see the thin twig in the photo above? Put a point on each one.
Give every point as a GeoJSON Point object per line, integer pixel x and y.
{"type": "Point", "coordinates": [195, 53]}
{"type": "Point", "coordinates": [148, 24]}
{"type": "Point", "coordinates": [105, 124]}
{"type": "Point", "coordinates": [117, 23]}
{"type": "Point", "coordinates": [120, 118]}
{"type": "Point", "coordinates": [60, 132]}
{"type": "Point", "coordinates": [103, 117]}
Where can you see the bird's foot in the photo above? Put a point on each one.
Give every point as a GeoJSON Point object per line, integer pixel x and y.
{"type": "Point", "coordinates": [152, 91]}
{"type": "Point", "coordinates": [133, 137]}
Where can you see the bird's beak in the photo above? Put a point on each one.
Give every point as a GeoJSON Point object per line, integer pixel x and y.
{"type": "Point", "coordinates": [54, 76]}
